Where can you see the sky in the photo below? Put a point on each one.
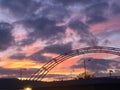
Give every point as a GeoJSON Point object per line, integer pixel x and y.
{"type": "Point", "coordinates": [32, 32]}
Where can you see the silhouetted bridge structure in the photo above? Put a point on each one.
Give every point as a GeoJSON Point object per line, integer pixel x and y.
{"type": "Point", "coordinates": [35, 81]}
{"type": "Point", "coordinates": [43, 71]}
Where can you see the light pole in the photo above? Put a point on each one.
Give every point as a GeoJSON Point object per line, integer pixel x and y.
{"type": "Point", "coordinates": [72, 73]}
{"type": "Point", "coordinates": [84, 68]}
{"type": "Point", "coordinates": [85, 75]}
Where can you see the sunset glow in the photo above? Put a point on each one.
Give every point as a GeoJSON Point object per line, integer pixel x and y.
{"type": "Point", "coordinates": [36, 31]}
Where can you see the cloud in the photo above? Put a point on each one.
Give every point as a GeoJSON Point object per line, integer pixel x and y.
{"type": "Point", "coordinates": [38, 18]}
{"type": "Point", "coordinates": [8, 72]}
{"type": "Point", "coordinates": [110, 33]}
{"type": "Point", "coordinates": [15, 73]}
{"type": "Point", "coordinates": [20, 8]}
{"type": "Point", "coordinates": [83, 30]}
{"type": "Point", "coordinates": [6, 38]}
{"type": "Point", "coordinates": [38, 57]}
{"type": "Point", "coordinates": [115, 8]}
{"type": "Point", "coordinates": [109, 37]}
{"type": "Point", "coordinates": [58, 13]}
{"type": "Point", "coordinates": [42, 28]}
{"type": "Point", "coordinates": [96, 13]}
{"type": "Point", "coordinates": [47, 20]}
{"type": "Point", "coordinates": [18, 56]}
{"type": "Point", "coordinates": [57, 49]}
{"type": "Point", "coordinates": [35, 8]}
{"type": "Point", "coordinates": [76, 24]}
{"type": "Point", "coordinates": [98, 65]}
{"type": "Point", "coordinates": [43, 17]}
{"type": "Point", "coordinates": [28, 41]}
{"type": "Point", "coordinates": [71, 2]}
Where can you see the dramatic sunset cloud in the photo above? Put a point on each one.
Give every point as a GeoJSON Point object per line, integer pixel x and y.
{"type": "Point", "coordinates": [35, 31]}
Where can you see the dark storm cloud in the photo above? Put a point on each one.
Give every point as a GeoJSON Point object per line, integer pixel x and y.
{"type": "Point", "coordinates": [20, 7]}
{"type": "Point", "coordinates": [98, 65]}
{"type": "Point", "coordinates": [57, 48]}
{"type": "Point", "coordinates": [115, 8]}
{"type": "Point", "coordinates": [44, 28]}
{"type": "Point", "coordinates": [83, 30]}
{"type": "Point", "coordinates": [6, 38]}
{"type": "Point", "coordinates": [18, 56]}
{"type": "Point", "coordinates": [96, 13]}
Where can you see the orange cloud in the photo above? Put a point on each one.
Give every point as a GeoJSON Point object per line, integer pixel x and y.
{"type": "Point", "coordinates": [13, 64]}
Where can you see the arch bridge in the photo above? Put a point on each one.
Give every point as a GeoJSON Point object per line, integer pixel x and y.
{"type": "Point", "coordinates": [43, 71]}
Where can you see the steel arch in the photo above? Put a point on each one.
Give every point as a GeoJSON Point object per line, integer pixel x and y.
{"type": "Point", "coordinates": [42, 72]}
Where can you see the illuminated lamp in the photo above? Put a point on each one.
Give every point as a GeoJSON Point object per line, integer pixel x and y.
{"type": "Point", "coordinates": [27, 88]}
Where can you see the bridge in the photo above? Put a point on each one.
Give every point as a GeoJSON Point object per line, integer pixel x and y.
{"type": "Point", "coordinates": [43, 71]}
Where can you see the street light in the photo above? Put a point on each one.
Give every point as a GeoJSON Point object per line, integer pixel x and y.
{"type": "Point", "coordinates": [84, 68]}
{"type": "Point", "coordinates": [27, 88]}
{"type": "Point", "coordinates": [85, 75]}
